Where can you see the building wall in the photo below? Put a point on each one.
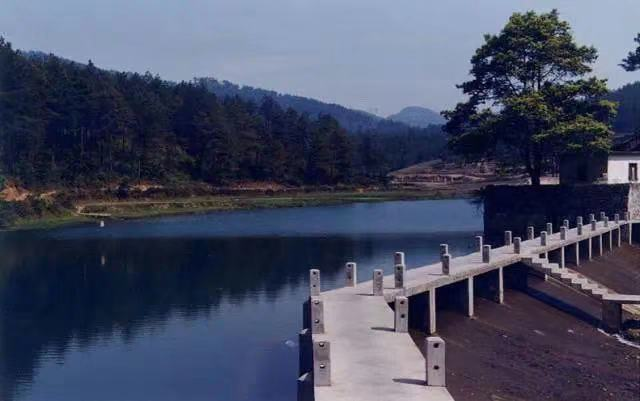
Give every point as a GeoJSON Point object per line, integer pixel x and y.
{"type": "Point", "coordinates": [618, 168]}
{"type": "Point", "coordinates": [515, 208]}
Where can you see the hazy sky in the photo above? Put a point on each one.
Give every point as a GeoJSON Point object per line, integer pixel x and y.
{"type": "Point", "coordinates": [376, 55]}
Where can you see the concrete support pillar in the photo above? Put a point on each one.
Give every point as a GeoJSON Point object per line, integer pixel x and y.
{"type": "Point", "coordinates": [507, 238]}
{"type": "Point", "coordinates": [314, 282]}
{"type": "Point", "coordinates": [378, 285]}
{"type": "Point", "coordinates": [610, 240]}
{"type": "Point", "coordinates": [435, 361]}
{"type": "Point", "coordinates": [500, 297]}
{"type": "Point", "coordinates": [517, 245]}
{"type": "Point", "coordinates": [563, 233]}
{"type": "Point", "coordinates": [322, 363]}
{"type": "Point", "coordinates": [590, 249]}
{"type": "Point", "coordinates": [317, 315]}
{"type": "Point", "coordinates": [479, 243]}
{"type": "Point", "coordinates": [572, 253]}
{"type": "Point", "coordinates": [401, 307]}
{"type": "Point", "coordinates": [600, 251]}
{"type": "Point", "coordinates": [398, 274]}
{"type": "Point", "coordinates": [352, 274]}
{"type": "Point", "coordinates": [543, 238]}
{"type": "Point", "coordinates": [470, 298]}
{"type": "Point", "coordinates": [305, 387]}
{"type": "Point", "coordinates": [630, 232]}
{"type": "Point", "coordinates": [619, 236]}
{"type": "Point", "coordinates": [305, 354]}
{"type": "Point", "coordinates": [486, 253]}
{"type": "Point", "coordinates": [446, 264]}
{"type": "Point", "coordinates": [530, 233]}
{"type": "Point", "coordinates": [611, 316]}
{"type": "Point", "coordinates": [432, 311]}
{"type": "Point", "coordinates": [549, 228]}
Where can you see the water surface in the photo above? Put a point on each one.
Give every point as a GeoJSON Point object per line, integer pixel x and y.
{"type": "Point", "coordinates": [186, 308]}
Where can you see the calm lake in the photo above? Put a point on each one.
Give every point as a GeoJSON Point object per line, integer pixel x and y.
{"type": "Point", "coordinates": [203, 307]}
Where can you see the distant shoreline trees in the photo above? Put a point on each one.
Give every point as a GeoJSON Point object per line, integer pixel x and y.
{"type": "Point", "coordinates": [529, 100]}
{"type": "Point", "coordinates": [64, 123]}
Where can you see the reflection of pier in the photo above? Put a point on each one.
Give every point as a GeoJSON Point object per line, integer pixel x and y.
{"type": "Point", "coordinates": [355, 346]}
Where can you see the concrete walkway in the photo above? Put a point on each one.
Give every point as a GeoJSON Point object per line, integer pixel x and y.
{"type": "Point", "coordinates": [370, 361]}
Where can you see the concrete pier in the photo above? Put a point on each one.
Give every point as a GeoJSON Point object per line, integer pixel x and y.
{"type": "Point", "coordinates": [367, 353]}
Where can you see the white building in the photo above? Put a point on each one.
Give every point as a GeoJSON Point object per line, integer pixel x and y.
{"type": "Point", "coordinates": [623, 167]}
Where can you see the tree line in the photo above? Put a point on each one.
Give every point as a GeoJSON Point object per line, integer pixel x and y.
{"type": "Point", "coordinates": [66, 123]}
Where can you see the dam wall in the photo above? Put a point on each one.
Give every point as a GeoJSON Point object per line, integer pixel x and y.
{"type": "Point", "coordinates": [517, 207]}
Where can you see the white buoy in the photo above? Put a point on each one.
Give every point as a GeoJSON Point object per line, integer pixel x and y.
{"type": "Point", "coordinates": [101, 223]}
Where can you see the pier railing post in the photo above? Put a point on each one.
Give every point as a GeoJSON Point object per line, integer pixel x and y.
{"type": "Point", "coordinates": [563, 233]}
{"type": "Point", "coordinates": [579, 228]}
{"type": "Point", "coordinates": [435, 362]}
{"type": "Point", "coordinates": [352, 274]}
{"type": "Point", "coordinates": [549, 228]}
{"type": "Point", "coordinates": [401, 307]}
{"type": "Point", "coordinates": [508, 238]}
{"type": "Point", "coordinates": [616, 218]}
{"type": "Point", "coordinates": [399, 269]}
{"type": "Point", "coordinates": [322, 363]}
{"type": "Point", "coordinates": [398, 258]}
{"type": "Point", "coordinates": [566, 223]}
{"type": "Point", "coordinates": [314, 282]}
{"type": "Point", "coordinates": [606, 221]}
{"type": "Point", "coordinates": [378, 277]}
{"type": "Point", "coordinates": [479, 243]}
{"type": "Point", "coordinates": [530, 233]}
{"type": "Point", "coordinates": [602, 216]}
{"type": "Point", "coordinates": [517, 245]}
{"type": "Point", "coordinates": [446, 264]}
{"type": "Point", "coordinates": [486, 253]}
{"type": "Point", "coordinates": [594, 225]}
{"type": "Point", "coordinates": [317, 315]}
{"type": "Point", "coordinates": [579, 220]}
{"type": "Point", "coordinates": [543, 238]}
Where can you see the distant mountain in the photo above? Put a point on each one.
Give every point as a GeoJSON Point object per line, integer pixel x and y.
{"type": "Point", "coordinates": [350, 119]}
{"type": "Point", "coordinates": [416, 116]}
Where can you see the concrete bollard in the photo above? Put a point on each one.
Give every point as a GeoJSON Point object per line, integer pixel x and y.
{"type": "Point", "coordinates": [592, 217]}
{"type": "Point", "coordinates": [317, 315]}
{"type": "Point", "coordinates": [566, 223]}
{"type": "Point", "coordinates": [543, 238]}
{"type": "Point", "coordinates": [508, 238]}
{"type": "Point", "coordinates": [549, 228]}
{"type": "Point", "coordinates": [446, 263]}
{"type": "Point", "coordinates": [579, 228]}
{"type": "Point", "coordinates": [444, 249]}
{"type": "Point", "coordinates": [352, 274]}
{"type": "Point", "coordinates": [322, 363]}
{"type": "Point", "coordinates": [616, 217]}
{"type": "Point", "coordinates": [530, 233]}
{"type": "Point", "coordinates": [401, 314]}
{"type": "Point", "coordinates": [435, 362]}
{"type": "Point", "coordinates": [627, 216]}
{"type": "Point", "coordinates": [398, 258]}
{"type": "Point", "coordinates": [594, 225]}
{"type": "Point", "coordinates": [516, 245]}
{"type": "Point", "coordinates": [398, 274]}
{"type": "Point", "coordinates": [602, 216]}
{"type": "Point", "coordinates": [606, 221]}
{"type": "Point", "coordinates": [479, 242]}
{"type": "Point", "coordinates": [578, 220]}
{"type": "Point", "coordinates": [486, 253]}
{"type": "Point", "coordinates": [378, 278]}
{"type": "Point", "coordinates": [314, 282]}
{"type": "Point", "coordinates": [563, 233]}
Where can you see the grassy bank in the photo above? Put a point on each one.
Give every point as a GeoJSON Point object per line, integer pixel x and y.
{"type": "Point", "coordinates": [133, 209]}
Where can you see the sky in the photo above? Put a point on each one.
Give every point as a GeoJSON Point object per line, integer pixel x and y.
{"type": "Point", "coordinates": [374, 55]}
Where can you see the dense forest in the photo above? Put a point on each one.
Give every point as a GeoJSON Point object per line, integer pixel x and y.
{"type": "Point", "coordinates": [628, 98]}
{"type": "Point", "coordinates": [66, 123]}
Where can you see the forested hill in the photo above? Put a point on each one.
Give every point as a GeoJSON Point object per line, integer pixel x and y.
{"type": "Point", "coordinates": [65, 123]}
{"type": "Point", "coordinates": [628, 118]}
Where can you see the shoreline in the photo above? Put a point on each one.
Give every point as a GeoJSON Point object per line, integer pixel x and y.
{"type": "Point", "coordinates": [92, 211]}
